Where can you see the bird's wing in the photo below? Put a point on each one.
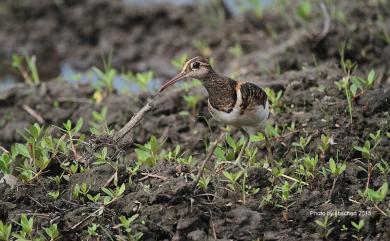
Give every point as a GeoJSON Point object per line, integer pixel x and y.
{"type": "Point", "coordinates": [252, 96]}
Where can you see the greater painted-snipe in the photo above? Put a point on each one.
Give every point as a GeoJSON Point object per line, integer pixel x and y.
{"type": "Point", "coordinates": [237, 103]}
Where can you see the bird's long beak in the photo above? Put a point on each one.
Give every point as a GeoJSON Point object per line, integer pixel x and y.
{"type": "Point", "coordinates": [178, 77]}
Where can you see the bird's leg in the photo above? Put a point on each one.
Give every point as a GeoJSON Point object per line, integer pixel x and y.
{"type": "Point", "coordinates": [246, 142]}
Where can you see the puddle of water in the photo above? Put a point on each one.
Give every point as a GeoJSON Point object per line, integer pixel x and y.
{"type": "Point", "coordinates": [7, 83]}
{"type": "Point", "coordinates": [121, 83]}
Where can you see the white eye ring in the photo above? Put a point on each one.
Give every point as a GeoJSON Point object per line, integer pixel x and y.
{"type": "Point", "coordinates": [195, 65]}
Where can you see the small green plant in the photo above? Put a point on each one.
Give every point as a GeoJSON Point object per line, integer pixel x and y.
{"type": "Point", "coordinates": [204, 183]}
{"type": "Point", "coordinates": [113, 195]}
{"type": "Point", "coordinates": [5, 163]}
{"type": "Point", "coordinates": [233, 178]}
{"type": "Point", "coordinates": [350, 84]}
{"type": "Point", "coordinates": [38, 151]}
{"type": "Point", "coordinates": [326, 141]}
{"type": "Point", "coordinates": [192, 102]}
{"type": "Point", "coordinates": [303, 142]}
{"type": "Point", "coordinates": [325, 224]}
{"type": "Point", "coordinates": [29, 73]}
{"type": "Point", "coordinates": [105, 76]}
{"type": "Point", "coordinates": [365, 150]}
{"type": "Point", "coordinates": [142, 79]}
{"type": "Point", "coordinates": [101, 157]}
{"type": "Point", "coordinates": [5, 231]}
{"type": "Point", "coordinates": [303, 11]}
{"type": "Point", "coordinates": [284, 193]}
{"type": "Point", "coordinates": [178, 62]}
{"type": "Point", "coordinates": [26, 232]}
{"type": "Point", "coordinates": [54, 195]}
{"type": "Point", "coordinates": [52, 232]}
{"type": "Point", "coordinates": [93, 198]}
{"type": "Point", "coordinates": [92, 229]}
{"type": "Point", "coordinates": [336, 168]}
{"type": "Point", "coordinates": [308, 166]}
{"type": "Point", "coordinates": [357, 227]}
{"type": "Point", "coordinates": [148, 153]}
{"type": "Point", "coordinates": [275, 99]}
{"type": "Point", "coordinates": [379, 195]}
{"type": "Point", "coordinates": [98, 124]}
{"type": "Point", "coordinates": [126, 224]}
{"type": "Point", "coordinates": [80, 191]}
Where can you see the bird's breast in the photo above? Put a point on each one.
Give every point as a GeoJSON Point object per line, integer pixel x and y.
{"type": "Point", "coordinates": [240, 116]}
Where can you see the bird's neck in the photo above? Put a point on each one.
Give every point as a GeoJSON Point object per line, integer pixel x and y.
{"type": "Point", "coordinates": [221, 90]}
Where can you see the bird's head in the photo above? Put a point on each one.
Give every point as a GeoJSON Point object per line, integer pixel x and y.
{"type": "Point", "coordinates": [197, 68]}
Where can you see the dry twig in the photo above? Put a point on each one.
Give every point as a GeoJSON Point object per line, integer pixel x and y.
{"type": "Point", "coordinates": [34, 114]}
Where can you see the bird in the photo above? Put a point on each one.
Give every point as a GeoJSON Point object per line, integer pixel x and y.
{"type": "Point", "coordinates": [241, 104]}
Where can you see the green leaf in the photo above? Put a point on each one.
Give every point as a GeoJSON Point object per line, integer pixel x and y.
{"type": "Point", "coordinates": [22, 150]}
{"type": "Point", "coordinates": [108, 192]}
{"type": "Point", "coordinates": [231, 142]}
{"type": "Point", "coordinates": [121, 189]}
{"type": "Point", "coordinates": [371, 78]}
{"type": "Point", "coordinates": [78, 126]}
{"type": "Point", "coordinates": [332, 165]}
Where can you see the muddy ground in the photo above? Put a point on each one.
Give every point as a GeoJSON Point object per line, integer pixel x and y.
{"type": "Point", "coordinates": [144, 38]}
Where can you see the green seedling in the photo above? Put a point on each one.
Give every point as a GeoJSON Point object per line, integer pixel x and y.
{"type": "Point", "coordinates": [275, 99]}
{"type": "Point", "coordinates": [29, 73]}
{"type": "Point", "coordinates": [365, 150]}
{"type": "Point", "coordinates": [336, 168]}
{"type": "Point", "coordinates": [308, 167]}
{"type": "Point", "coordinates": [325, 224]}
{"type": "Point", "coordinates": [326, 141]}
{"type": "Point", "coordinates": [384, 167]}
{"type": "Point", "coordinates": [126, 224]}
{"type": "Point", "coordinates": [5, 163]}
{"type": "Point", "coordinates": [303, 142]}
{"type": "Point", "coordinates": [347, 65]}
{"type": "Point", "coordinates": [358, 227]}
{"type": "Point", "coordinates": [105, 76]}
{"type": "Point", "coordinates": [272, 131]}
{"type": "Point", "coordinates": [192, 102]}
{"type": "Point", "coordinates": [80, 191]}
{"type": "Point", "coordinates": [54, 195]}
{"type": "Point", "coordinates": [5, 231]}
{"type": "Point", "coordinates": [233, 179]}
{"type": "Point", "coordinates": [187, 161]}
{"type": "Point", "coordinates": [284, 193]}
{"type": "Point", "coordinates": [98, 124]}
{"type": "Point", "coordinates": [26, 231]}
{"type": "Point", "coordinates": [179, 61]}
{"type": "Point", "coordinates": [93, 198]}
{"type": "Point", "coordinates": [101, 157]}
{"type": "Point", "coordinates": [113, 195]}
{"type": "Point", "coordinates": [173, 155]}
{"type": "Point", "coordinates": [92, 229]}
{"type": "Point", "coordinates": [350, 84]}
{"type": "Point", "coordinates": [38, 151]}
{"type": "Point", "coordinates": [303, 11]}
{"type": "Point", "coordinates": [379, 195]}
{"type": "Point", "coordinates": [52, 232]}
{"type": "Point", "coordinates": [204, 183]}
{"type": "Point", "coordinates": [148, 154]}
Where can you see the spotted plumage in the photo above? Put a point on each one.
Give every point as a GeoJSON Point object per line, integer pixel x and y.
{"type": "Point", "coordinates": [238, 103]}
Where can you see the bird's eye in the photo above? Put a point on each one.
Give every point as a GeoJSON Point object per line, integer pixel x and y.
{"type": "Point", "coordinates": [195, 65]}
